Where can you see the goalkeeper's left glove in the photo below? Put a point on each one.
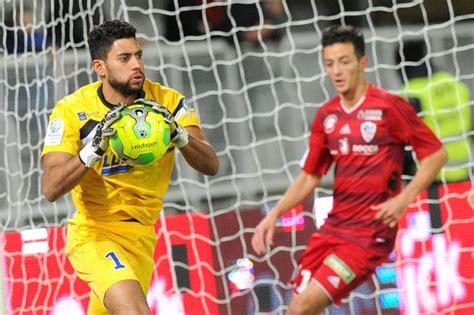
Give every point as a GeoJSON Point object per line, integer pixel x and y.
{"type": "Point", "coordinates": [178, 135]}
{"type": "Point", "coordinates": [95, 149]}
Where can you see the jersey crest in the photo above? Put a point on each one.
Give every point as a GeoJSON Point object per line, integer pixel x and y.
{"type": "Point", "coordinates": [368, 130]}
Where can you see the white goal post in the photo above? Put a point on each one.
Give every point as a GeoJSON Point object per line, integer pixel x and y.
{"type": "Point", "coordinates": [256, 102]}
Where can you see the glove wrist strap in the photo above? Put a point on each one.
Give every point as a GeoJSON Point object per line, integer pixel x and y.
{"type": "Point", "coordinates": [181, 138]}
{"type": "Point", "coordinates": [87, 156]}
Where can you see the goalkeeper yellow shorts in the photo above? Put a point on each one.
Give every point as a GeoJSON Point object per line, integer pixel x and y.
{"type": "Point", "coordinates": [105, 253]}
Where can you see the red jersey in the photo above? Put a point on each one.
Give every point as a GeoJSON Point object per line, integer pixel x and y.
{"type": "Point", "coordinates": [367, 144]}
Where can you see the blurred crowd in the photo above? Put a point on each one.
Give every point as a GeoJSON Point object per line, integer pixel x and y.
{"type": "Point", "coordinates": [67, 23]}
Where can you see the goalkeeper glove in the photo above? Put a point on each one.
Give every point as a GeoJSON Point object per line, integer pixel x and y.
{"type": "Point", "coordinates": [178, 135]}
{"type": "Point", "coordinates": [95, 149]}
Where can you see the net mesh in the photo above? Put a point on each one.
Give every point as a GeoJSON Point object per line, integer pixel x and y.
{"type": "Point", "coordinates": [255, 74]}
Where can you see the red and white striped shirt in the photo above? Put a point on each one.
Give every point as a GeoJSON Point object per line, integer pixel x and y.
{"type": "Point", "coordinates": [367, 144]}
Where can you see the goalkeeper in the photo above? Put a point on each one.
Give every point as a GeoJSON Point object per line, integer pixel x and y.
{"type": "Point", "coordinates": [111, 238]}
{"type": "Point", "coordinates": [363, 131]}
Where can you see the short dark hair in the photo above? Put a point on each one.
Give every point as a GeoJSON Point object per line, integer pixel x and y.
{"type": "Point", "coordinates": [344, 34]}
{"type": "Point", "coordinates": [102, 37]}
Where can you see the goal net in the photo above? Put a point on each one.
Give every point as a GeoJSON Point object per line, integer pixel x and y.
{"type": "Point", "coordinates": [254, 72]}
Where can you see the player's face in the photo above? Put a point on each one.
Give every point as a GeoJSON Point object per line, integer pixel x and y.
{"type": "Point", "coordinates": [125, 67]}
{"type": "Point", "coordinates": [343, 67]}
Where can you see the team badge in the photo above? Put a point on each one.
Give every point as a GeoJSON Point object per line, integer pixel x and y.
{"type": "Point", "coordinates": [54, 133]}
{"type": "Point", "coordinates": [330, 123]}
{"type": "Point", "coordinates": [368, 130]}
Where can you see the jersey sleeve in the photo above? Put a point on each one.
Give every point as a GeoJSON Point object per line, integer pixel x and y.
{"type": "Point", "coordinates": [408, 128]}
{"type": "Point", "coordinates": [185, 114]}
{"type": "Point", "coordinates": [317, 158]}
{"type": "Point", "coordinates": [181, 108]}
{"type": "Point", "coordinates": [62, 134]}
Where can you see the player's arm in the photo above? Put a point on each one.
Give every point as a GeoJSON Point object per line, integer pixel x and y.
{"type": "Point", "coordinates": [199, 153]}
{"type": "Point", "coordinates": [299, 190]}
{"type": "Point", "coordinates": [390, 211]}
{"type": "Point", "coordinates": [61, 173]}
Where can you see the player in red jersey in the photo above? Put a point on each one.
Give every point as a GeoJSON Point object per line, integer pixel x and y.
{"type": "Point", "coordinates": [363, 130]}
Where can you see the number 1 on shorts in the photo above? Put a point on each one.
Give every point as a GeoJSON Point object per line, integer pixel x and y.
{"type": "Point", "coordinates": [118, 264]}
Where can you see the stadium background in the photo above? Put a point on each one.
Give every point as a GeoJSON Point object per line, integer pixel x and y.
{"type": "Point", "coordinates": [256, 102]}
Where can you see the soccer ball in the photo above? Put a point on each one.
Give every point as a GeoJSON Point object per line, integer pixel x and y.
{"type": "Point", "coordinates": [142, 136]}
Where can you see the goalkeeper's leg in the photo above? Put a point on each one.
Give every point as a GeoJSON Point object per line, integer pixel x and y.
{"type": "Point", "coordinates": [116, 260]}
{"type": "Point", "coordinates": [122, 298]}
{"type": "Point", "coordinates": [126, 297]}
{"type": "Point", "coordinates": [96, 307]}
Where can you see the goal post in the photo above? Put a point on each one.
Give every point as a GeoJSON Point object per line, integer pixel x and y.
{"type": "Point", "coordinates": [256, 95]}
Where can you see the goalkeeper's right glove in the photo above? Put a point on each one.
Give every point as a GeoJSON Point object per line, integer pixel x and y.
{"type": "Point", "coordinates": [95, 149]}
{"type": "Point", "coordinates": [178, 135]}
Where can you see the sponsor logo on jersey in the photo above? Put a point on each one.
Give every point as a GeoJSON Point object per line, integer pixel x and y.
{"type": "Point", "coordinates": [370, 114]}
{"type": "Point", "coordinates": [345, 130]}
{"type": "Point", "coordinates": [365, 149]}
{"type": "Point", "coordinates": [368, 130]}
{"type": "Point", "coordinates": [340, 268]}
{"type": "Point", "coordinates": [330, 123]}
{"type": "Point", "coordinates": [344, 146]}
{"type": "Point", "coordinates": [82, 116]}
{"type": "Point", "coordinates": [54, 133]}
{"type": "Point", "coordinates": [113, 165]}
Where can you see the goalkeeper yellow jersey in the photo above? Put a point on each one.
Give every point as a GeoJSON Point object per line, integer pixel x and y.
{"type": "Point", "coordinates": [112, 190]}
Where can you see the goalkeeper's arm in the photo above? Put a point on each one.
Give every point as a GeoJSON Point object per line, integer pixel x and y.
{"type": "Point", "coordinates": [198, 153]}
{"type": "Point", "coordinates": [61, 173]}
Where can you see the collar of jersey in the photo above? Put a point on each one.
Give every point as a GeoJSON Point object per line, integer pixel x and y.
{"type": "Point", "coordinates": [100, 93]}
{"type": "Point", "coordinates": [349, 110]}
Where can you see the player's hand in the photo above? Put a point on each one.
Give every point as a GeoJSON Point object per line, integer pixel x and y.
{"type": "Point", "coordinates": [391, 210]}
{"type": "Point", "coordinates": [263, 235]}
{"type": "Point", "coordinates": [178, 135]}
{"type": "Point", "coordinates": [93, 150]}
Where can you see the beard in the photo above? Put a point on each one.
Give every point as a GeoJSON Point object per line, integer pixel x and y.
{"type": "Point", "coordinates": [124, 88]}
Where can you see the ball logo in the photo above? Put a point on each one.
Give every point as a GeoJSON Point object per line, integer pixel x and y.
{"type": "Point", "coordinates": [143, 133]}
